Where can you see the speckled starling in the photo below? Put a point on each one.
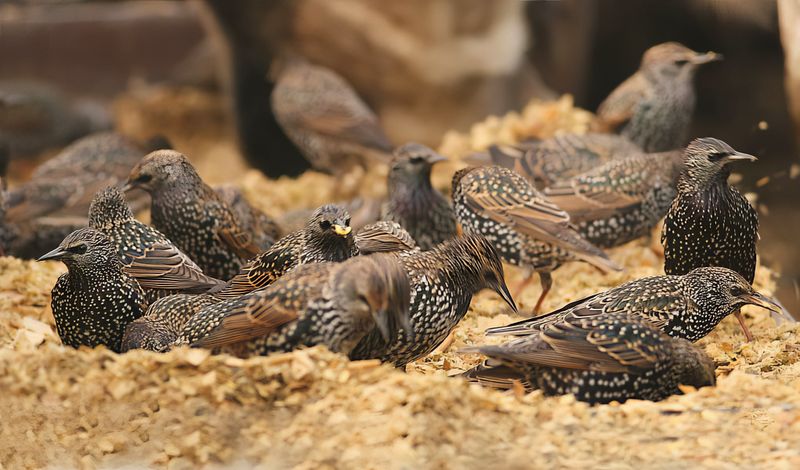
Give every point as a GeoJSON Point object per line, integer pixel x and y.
{"type": "Point", "coordinates": [604, 358]}
{"type": "Point", "coordinates": [413, 202]}
{"type": "Point", "coordinates": [334, 304]}
{"type": "Point", "coordinates": [192, 215]}
{"type": "Point", "coordinates": [545, 162]}
{"type": "Point", "coordinates": [6, 232]}
{"type": "Point", "coordinates": [147, 255]}
{"type": "Point", "coordinates": [164, 321]}
{"type": "Point", "coordinates": [621, 200]}
{"type": "Point", "coordinates": [265, 229]}
{"type": "Point", "coordinates": [523, 225]}
{"type": "Point", "coordinates": [326, 237]}
{"type": "Point", "coordinates": [383, 236]}
{"type": "Point", "coordinates": [687, 306]}
{"type": "Point", "coordinates": [67, 182]}
{"type": "Point", "coordinates": [443, 281]}
{"type": "Point", "coordinates": [94, 300]}
{"type": "Point", "coordinates": [653, 108]}
{"type": "Point", "coordinates": [709, 222]}
{"type": "Point", "coordinates": [325, 118]}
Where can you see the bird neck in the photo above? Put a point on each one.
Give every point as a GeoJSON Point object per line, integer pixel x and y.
{"type": "Point", "coordinates": [416, 188]}
{"type": "Point", "coordinates": [329, 248]}
{"type": "Point", "coordinates": [462, 268]}
{"type": "Point", "coordinates": [89, 276]}
{"type": "Point", "coordinates": [695, 180]}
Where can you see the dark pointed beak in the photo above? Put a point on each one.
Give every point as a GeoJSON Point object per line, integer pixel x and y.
{"type": "Point", "coordinates": [502, 291]}
{"type": "Point", "coordinates": [56, 254]}
{"type": "Point", "coordinates": [705, 58]}
{"type": "Point", "coordinates": [762, 301]}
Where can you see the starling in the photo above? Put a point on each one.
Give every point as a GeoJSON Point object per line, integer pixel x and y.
{"type": "Point", "coordinates": [653, 108]}
{"type": "Point", "coordinates": [443, 281]}
{"type": "Point", "coordinates": [325, 118]}
{"type": "Point", "coordinates": [5, 231]}
{"type": "Point", "coordinates": [164, 321]}
{"type": "Point", "coordinates": [326, 237]}
{"type": "Point", "coordinates": [94, 300]}
{"type": "Point", "coordinates": [687, 306]}
{"type": "Point", "coordinates": [147, 255]}
{"type": "Point", "coordinates": [334, 304]}
{"type": "Point", "coordinates": [66, 183]}
{"type": "Point", "coordinates": [192, 215]}
{"type": "Point", "coordinates": [413, 202]}
{"type": "Point", "coordinates": [545, 162]}
{"type": "Point", "coordinates": [264, 228]}
{"type": "Point", "coordinates": [621, 200]}
{"type": "Point", "coordinates": [523, 225]}
{"type": "Point", "coordinates": [383, 236]}
{"type": "Point", "coordinates": [709, 222]}
{"type": "Point", "coordinates": [603, 358]}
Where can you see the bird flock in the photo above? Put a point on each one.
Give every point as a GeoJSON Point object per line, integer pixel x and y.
{"type": "Point", "coordinates": [211, 271]}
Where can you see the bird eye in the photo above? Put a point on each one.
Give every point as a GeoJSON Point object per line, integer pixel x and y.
{"type": "Point", "coordinates": [347, 222]}
{"type": "Point", "coordinates": [144, 178]}
{"type": "Point", "coordinates": [681, 62]}
{"type": "Point", "coordinates": [325, 224]}
{"type": "Point", "coordinates": [78, 249]}
{"type": "Point", "coordinates": [416, 160]}
{"type": "Point", "coordinates": [717, 156]}
{"type": "Point", "coordinates": [736, 291]}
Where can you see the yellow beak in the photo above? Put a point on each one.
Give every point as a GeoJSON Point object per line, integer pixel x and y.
{"type": "Point", "coordinates": [343, 231]}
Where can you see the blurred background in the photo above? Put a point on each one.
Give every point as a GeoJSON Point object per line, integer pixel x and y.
{"type": "Point", "coordinates": [198, 72]}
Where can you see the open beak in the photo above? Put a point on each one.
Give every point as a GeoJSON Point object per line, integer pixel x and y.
{"type": "Point", "coordinates": [741, 156]}
{"type": "Point", "coordinates": [343, 231]}
{"type": "Point", "coordinates": [705, 58]}
{"type": "Point", "coordinates": [502, 291]}
{"type": "Point", "coordinates": [56, 254]}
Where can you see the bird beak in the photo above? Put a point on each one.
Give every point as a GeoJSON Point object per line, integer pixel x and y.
{"type": "Point", "coordinates": [502, 291]}
{"type": "Point", "coordinates": [762, 301]}
{"type": "Point", "coordinates": [56, 254]}
{"type": "Point", "coordinates": [383, 323]}
{"type": "Point", "coordinates": [127, 186]}
{"type": "Point", "coordinates": [343, 231]}
{"type": "Point", "coordinates": [741, 156]}
{"type": "Point", "coordinates": [705, 58]}
{"type": "Point", "coordinates": [435, 158]}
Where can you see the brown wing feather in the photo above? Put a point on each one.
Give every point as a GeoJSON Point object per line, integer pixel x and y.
{"type": "Point", "coordinates": [240, 242]}
{"type": "Point", "coordinates": [252, 319]}
{"type": "Point", "coordinates": [163, 266]}
{"type": "Point", "coordinates": [621, 104]}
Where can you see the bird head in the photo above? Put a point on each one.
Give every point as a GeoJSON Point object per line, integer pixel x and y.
{"type": "Point", "coordinates": [146, 333]}
{"type": "Point", "coordinates": [330, 223]}
{"type": "Point", "coordinates": [107, 208]}
{"type": "Point", "coordinates": [377, 290]}
{"type": "Point", "coordinates": [717, 292]}
{"type": "Point", "coordinates": [412, 165]}
{"type": "Point", "coordinates": [84, 247]}
{"type": "Point", "coordinates": [706, 162]}
{"type": "Point", "coordinates": [159, 169]}
{"type": "Point", "coordinates": [672, 60]}
{"type": "Point", "coordinates": [479, 257]}
{"type": "Point", "coordinates": [694, 366]}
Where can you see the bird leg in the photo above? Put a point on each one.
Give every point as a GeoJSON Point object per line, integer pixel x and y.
{"type": "Point", "coordinates": [745, 329]}
{"type": "Point", "coordinates": [521, 285]}
{"type": "Point", "coordinates": [547, 283]}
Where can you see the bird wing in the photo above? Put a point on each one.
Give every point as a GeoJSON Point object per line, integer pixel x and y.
{"type": "Point", "coordinates": [383, 236]}
{"type": "Point", "coordinates": [261, 312]}
{"type": "Point", "coordinates": [621, 104]}
{"type": "Point", "coordinates": [533, 215]}
{"type": "Point", "coordinates": [265, 268]}
{"type": "Point", "coordinates": [238, 240]}
{"type": "Point", "coordinates": [586, 344]}
{"type": "Point", "coordinates": [609, 189]}
{"type": "Point", "coordinates": [164, 266]}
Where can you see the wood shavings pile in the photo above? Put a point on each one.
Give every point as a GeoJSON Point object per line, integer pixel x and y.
{"type": "Point", "coordinates": [84, 408]}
